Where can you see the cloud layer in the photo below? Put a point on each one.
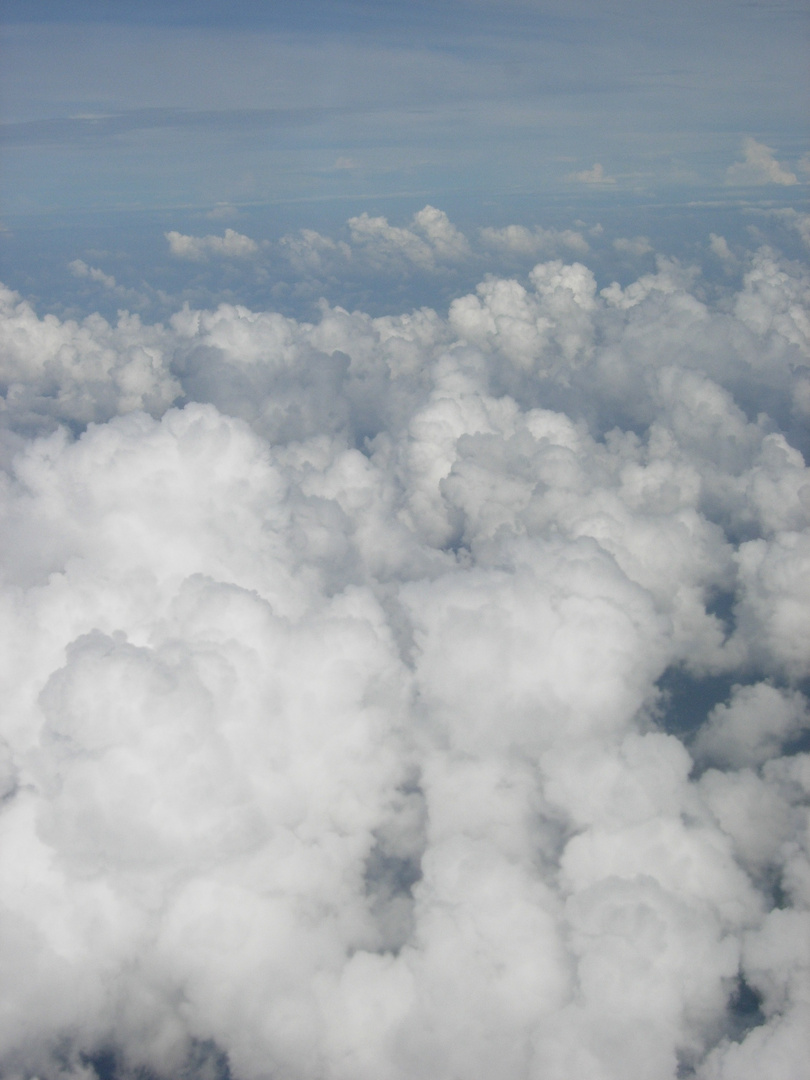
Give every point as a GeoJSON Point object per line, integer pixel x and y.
{"type": "Point", "coordinates": [341, 739]}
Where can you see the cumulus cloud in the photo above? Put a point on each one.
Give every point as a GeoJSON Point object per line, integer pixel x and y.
{"type": "Point", "coordinates": [794, 219]}
{"type": "Point", "coordinates": [310, 251]}
{"type": "Point", "coordinates": [343, 736]}
{"type": "Point", "coordinates": [753, 726]}
{"type": "Point", "coordinates": [78, 372]}
{"type": "Point", "coordinates": [431, 238]}
{"type": "Point", "coordinates": [759, 166]}
{"type": "Point", "coordinates": [718, 245]}
{"type": "Point", "coordinates": [596, 175]}
{"type": "Point", "coordinates": [372, 247]}
{"type": "Point", "coordinates": [369, 250]}
{"type": "Point", "coordinates": [80, 269]}
{"type": "Point", "coordinates": [232, 245]}
{"type": "Point", "coordinates": [133, 298]}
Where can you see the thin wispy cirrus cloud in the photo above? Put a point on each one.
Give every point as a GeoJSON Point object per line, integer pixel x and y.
{"type": "Point", "coordinates": [405, 539]}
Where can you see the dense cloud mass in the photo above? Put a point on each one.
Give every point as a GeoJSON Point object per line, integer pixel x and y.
{"type": "Point", "coordinates": [413, 696]}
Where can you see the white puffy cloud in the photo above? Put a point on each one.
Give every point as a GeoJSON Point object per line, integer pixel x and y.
{"type": "Point", "coordinates": [429, 244]}
{"type": "Point", "coordinates": [718, 245]}
{"type": "Point", "coordinates": [759, 166]}
{"type": "Point", "coordinates": [753, 726]}
{"type": "Point", "coordinates": [447, 241]}
{"type": "Point", "coordinates": [73, 372]}
{"type": "Point", "coordinates": [542, 328]}
{"type": "Point", "coordinates": [596, 175]}
{"type": "Point", "coordinates": [308, 250]}
{"type": "Point", "coordinates": [339, 734]}
{"type": "Point", "coordinates": [774, 615]}
{"type": "Point", "coordinates": [431, 239]}
{"type": "Point", "coordinates": [232, 245]}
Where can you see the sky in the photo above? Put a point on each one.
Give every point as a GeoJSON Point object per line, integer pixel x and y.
{"type": "Point", "coordinates": [405, 540]}
{"type": "Point", "coordinates": [121, 106]}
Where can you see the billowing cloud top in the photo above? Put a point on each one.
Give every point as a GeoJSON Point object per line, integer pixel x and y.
{"type": "Point", "coordinates": [414, 696]}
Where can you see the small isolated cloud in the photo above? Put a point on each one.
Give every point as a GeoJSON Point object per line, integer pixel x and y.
{"type": "Point", "coordinates": [518, 240]}
{"type": "Point", "coordinates": [346, 163]}
{"type": "Point", "coordinates": [80, 269]}
{"type": "Point", "coordinates": [719, 247]}
{"type": "Point", "coordinates": [758, 167]}
{"type": "Point", "coordinates": [596, 175]}
{"type": "Point", "coordinates": [232, 245]}
{"type": "Point", "coordinates": [638, 245]}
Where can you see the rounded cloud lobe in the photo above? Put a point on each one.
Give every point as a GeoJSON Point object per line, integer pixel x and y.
{"type": "Point", "coordinates": [340, 734]}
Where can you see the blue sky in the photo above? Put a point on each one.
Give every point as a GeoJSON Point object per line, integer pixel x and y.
{"type": "Point", "coordinates": [121, 122]}
{"type": "Point", "coordinates": [114, 105]}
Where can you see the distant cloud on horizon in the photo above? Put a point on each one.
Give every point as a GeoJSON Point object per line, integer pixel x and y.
{"type": "Point", "coordinates": [759, 166]}
{"type": "Point", "coordinates": [596, 175]}
{"type": "Point", "coordinates": [232, 245]}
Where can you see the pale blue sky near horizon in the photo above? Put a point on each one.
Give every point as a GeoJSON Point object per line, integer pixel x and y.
{"type": "Point", "coordinates": [114, 106]}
